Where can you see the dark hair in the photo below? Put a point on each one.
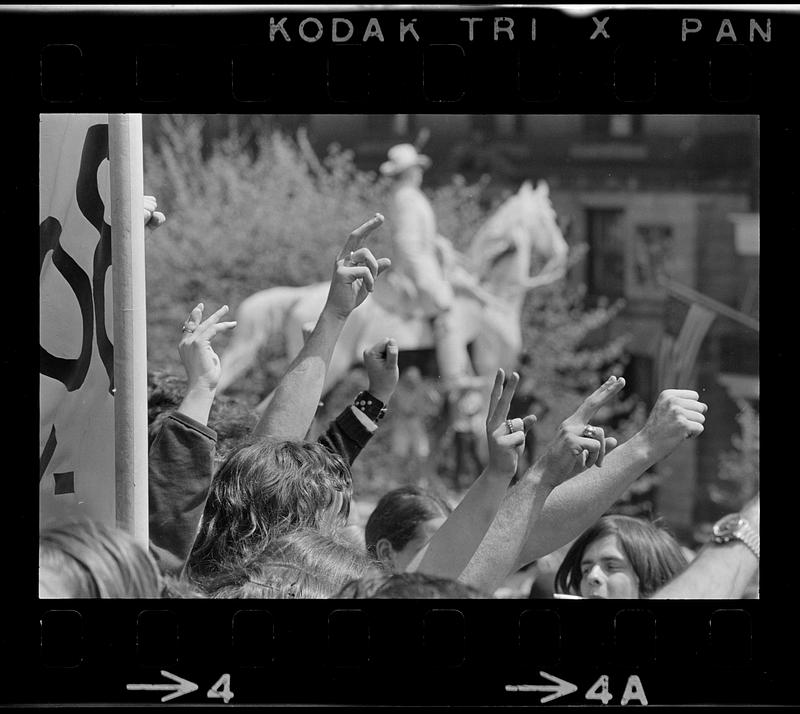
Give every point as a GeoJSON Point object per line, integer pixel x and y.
{"type": "Point", "coordinates": [385, 586]}
{"type": "Point", "coordinates": [398, 514]}
{"type": "Point", "coordinates": [301, 564]}
{"type": "Point", "coordinates": [655, 556]}
{"type": "Point", "coordinates": [263, 491]}
{"type": "Point", "coordinates": [84, 559]}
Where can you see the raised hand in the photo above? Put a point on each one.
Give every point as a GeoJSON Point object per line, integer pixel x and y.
{"type": "Point", "coordinates": [506, 436]}
{"type": "Point", "coordinates": [197, 355]}
{"type": "Point", "coordinates": [578, 445]}
{"type": "Point", "coordinates": [380, 361]}
{"type": "Point", "coordinates": [678, 414]}
{"type": "Point", "coordinates": [152, 218]}
{"type": "Point", "coordinates": [355, 270]}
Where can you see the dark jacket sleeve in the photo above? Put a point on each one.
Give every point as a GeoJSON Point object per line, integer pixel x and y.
{"type": "Point", "coordinates": [346, 436]}
{"type": "Point", "coordinates": [181, 464]}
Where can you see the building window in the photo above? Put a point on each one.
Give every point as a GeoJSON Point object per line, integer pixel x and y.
{"type": "Point", "coordinates": [653, 252]}
{"type": "Point", "coordinates": [606, 258]}
{"type": "Point", "coordinates": [612, 126]}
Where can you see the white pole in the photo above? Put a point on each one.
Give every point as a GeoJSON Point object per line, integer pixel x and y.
{"type": "Point", "coordinates": [130, 329]}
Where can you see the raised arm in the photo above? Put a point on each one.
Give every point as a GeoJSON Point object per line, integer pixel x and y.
{"type": "Point", "coordinates": [349, 433]}
{"type": "Point", "coordinates": [453, 545]}
{"type": "Point", "coordinates": [719, 570]}
{"type": "Point", "coordinates": [296, 398]}
{"type": "Point", "coordinates": [201, 363]}
{"type": "Point", "coordinates": [575, 504]}
{"type": "Point", "coordinates": [576, 447]}
{"type": "Point", "coordinates": [181, 456]}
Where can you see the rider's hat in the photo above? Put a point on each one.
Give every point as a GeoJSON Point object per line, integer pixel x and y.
{"type": "Point", "coordinates": [402, 157]}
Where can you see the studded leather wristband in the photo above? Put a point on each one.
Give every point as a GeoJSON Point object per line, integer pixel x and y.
{"type": "Point", "coordinates": [373, 407]}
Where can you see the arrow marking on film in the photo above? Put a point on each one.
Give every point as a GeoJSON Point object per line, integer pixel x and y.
{"type": "Point", "coordinates": [560, 689]}
{"type": "Point", "coordinates": [182, 686]}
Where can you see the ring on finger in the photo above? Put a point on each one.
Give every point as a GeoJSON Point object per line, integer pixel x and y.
{"type": "Point", "coordinates": [589, 431]}
{"type": "Point", "coordinates": [186, 328]}
{"type": "Point", "coordinates": [510, 426]}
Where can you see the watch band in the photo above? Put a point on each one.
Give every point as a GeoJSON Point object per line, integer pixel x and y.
{"type": "Point", "coordinates": [724, 532]}
{"type": "Point", "coordinates": [373, 407]}
{"type": "Point", "coordinates": [749, 537]}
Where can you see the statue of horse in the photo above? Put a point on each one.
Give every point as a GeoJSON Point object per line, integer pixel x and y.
{"type": "Point", "coordinates": [522, 233]}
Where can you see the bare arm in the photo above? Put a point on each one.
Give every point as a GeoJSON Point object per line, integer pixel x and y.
{"type": "Point", "coordinates": [201, 362]}
{"type": "Point", "coordinates": [718, 571]}
{"type": "Point", "coordinates": [495, 557]}
{"type": "Point", "coordinates": [519, 515]}
{"type": "Point", "coordinates": [295, 401]}
{"type": "Point", "coordinates": [296, 398]}
{"type": "Point", "coordinates": [577, 503]}
{"type": "Point", "coordinates": [454, 544]}
{"type": "Point", "coordinates": [573, 506]}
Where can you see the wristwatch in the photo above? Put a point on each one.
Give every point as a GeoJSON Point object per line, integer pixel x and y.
{"type": "Point", "coordinates": [733, 526]}
{"type": "Point", "coordinates": [373, 407]}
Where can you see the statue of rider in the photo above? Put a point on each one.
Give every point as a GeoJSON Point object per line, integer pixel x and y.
{"type": "Point", "coordinates": [418, 256]}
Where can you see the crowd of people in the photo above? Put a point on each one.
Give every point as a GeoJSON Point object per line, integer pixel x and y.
{"type": "Point", "coordinates": [271, 521]}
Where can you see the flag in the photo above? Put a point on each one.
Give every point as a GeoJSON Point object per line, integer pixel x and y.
{"type": "Point", "coordinates": [677, 355]}
{"type": "Point", "coordinates": [79, 390]}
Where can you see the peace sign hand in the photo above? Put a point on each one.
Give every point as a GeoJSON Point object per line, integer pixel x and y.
{"type": "Point", "coordinates": [201, 363]}
{"type": "Point", "coordinates": [506, 436]}
{"type": "Point", "coordinates": [578, 445]}
{"type": "Point", "coordinates": [355, 270]}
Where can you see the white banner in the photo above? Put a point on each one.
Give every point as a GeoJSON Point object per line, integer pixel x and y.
{"type": "Point", "coordinates": [76, 427]}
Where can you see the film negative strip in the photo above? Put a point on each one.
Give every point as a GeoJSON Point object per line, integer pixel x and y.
{"type": "Point", "coordinates": [595, 81]}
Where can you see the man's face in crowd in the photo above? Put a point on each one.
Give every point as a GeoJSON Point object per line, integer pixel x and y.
{"type": "Point", "coordinates": [606, 572]}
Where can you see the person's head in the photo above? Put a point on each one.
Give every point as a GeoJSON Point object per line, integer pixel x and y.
{"type": "Point", "coordinates": [302, 564]}
{"type": "Point", "coordinates": [89, 560]}
{"type": "Point", "coordinates": [405, 164]}
{"type": "Point", "coordinates": [403, 521]}
{"type": "Point", "coordinates": [620, 557]}
{"type": "Point", "coordinates": [264, 490]}
{"type": "Point", "coordinates": [390, 586]}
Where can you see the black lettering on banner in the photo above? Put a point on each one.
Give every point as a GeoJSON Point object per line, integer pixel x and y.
{"type": "Point", "coordinates": [102, 262]}
{"type": "Point", "coordinates": [95, 151]}
{"type": "Point", "coordinates": [90, 294]}
{"type": "Point", "coordinates": [70, 372]}
{"type": "Point", "coordinates": [64, 483]}
{"type": "Point", "coordinates": [47, 454]}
